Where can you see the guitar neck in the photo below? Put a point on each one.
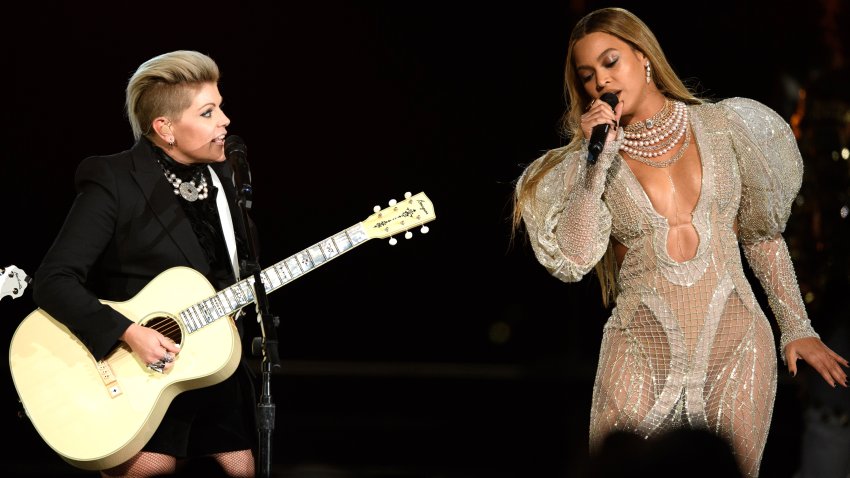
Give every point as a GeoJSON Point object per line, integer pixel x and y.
{"type": "Point", "coordinates": [234, 298]}
{"type": "Point", "coordinates": [400, 216]}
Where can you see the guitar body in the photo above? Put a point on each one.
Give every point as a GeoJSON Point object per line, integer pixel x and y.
{"type": "Point", "coordinates": [96, 415]}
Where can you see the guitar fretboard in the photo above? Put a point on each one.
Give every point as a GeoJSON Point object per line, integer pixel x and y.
{"type": "Point", "coordinates": [241, 294]}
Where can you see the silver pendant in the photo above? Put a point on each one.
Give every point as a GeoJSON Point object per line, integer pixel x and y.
{"type": "Point", "coordinates": [649, 124]}
{"type": "Point", "coordinates": [188, 191]}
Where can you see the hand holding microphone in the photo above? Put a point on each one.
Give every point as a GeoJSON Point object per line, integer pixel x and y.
{"type": "Point", "coordinates": [600, 131]}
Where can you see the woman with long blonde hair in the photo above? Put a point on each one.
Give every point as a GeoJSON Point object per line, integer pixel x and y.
{"type": "Point", "coordinates": [679, 189]}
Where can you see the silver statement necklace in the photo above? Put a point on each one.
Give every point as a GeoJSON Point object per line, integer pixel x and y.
{"type": "Point", "coordinates": [188, 190]}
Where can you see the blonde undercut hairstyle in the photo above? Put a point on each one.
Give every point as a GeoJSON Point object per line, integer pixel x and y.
{"type": "Point", "coordinates": [165, 86]}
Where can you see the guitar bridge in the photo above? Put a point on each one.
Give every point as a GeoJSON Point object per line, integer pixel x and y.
{"type": "Point", "coordinates": [108, 378]}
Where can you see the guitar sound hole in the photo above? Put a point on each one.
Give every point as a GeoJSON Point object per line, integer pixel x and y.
{"type": "Point", "coordinates": [167, 327]}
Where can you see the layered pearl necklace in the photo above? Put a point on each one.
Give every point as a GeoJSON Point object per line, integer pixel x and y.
{"type": "Point", "coordinates": [658, 135]}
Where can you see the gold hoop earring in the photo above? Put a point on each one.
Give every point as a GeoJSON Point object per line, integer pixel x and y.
{"type": "Point", "coordinates": [648, 72]}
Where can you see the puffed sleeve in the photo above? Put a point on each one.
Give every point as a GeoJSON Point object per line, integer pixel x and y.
{"type": "Point", "coordinates": [770, 165]}
{"type": "Point", "coordinates": [567, 222]}
{"type": "Point", "coordinates": [771, 170]}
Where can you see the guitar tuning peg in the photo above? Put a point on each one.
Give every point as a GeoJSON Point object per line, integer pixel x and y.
{"type": "Point", "coordinates": [393, 241]}
{"type": "Point", "coordinates": [407, 195]}
{"type": "Point", "coordinates": [408, 235]}
{"type": "Point", "coordinates": [424, 230]}
{"type": "Point", "coordinates": [377, 208]}
{"type": "Point", "coordinates": [392, 202]}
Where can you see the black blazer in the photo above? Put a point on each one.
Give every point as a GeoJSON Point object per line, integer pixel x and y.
{"type": "Point", "coordinates": [123, 229]}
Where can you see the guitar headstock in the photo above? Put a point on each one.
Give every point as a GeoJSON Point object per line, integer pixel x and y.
{"type": "Point", "coordinates": [400, 216]}
{"type": "Point", "coordinates": [13, 281]}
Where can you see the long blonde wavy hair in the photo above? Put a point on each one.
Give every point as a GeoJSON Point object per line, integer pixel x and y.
{"type": "Point", "coordinates": [629, 28]}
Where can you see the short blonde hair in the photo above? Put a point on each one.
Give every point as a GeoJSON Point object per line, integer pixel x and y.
{"type": "Point", "coordinates": [165, 86]}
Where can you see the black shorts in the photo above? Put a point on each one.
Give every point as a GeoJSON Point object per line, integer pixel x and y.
{"type": "Point", "coordinates": [208, 420]}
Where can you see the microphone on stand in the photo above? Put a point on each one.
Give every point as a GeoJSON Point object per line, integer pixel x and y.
{"type": "Point", "coordinates": [237, 153]}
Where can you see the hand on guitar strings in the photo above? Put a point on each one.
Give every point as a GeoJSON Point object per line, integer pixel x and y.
{"type": "Point", "coordinates": [153, 348]}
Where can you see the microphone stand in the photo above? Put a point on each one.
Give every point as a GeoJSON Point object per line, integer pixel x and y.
{"type": "Point", "coordinates": [267, 344]}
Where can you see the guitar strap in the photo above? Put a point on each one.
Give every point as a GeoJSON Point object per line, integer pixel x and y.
{"type": "Point", "coordinates": [226, 223]}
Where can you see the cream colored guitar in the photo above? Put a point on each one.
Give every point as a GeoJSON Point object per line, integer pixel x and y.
{"type": "Point", "coordinates": [96, 415]}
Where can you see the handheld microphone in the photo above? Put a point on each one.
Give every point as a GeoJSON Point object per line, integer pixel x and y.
{"type": "Point", "coordinates": [600, 131]}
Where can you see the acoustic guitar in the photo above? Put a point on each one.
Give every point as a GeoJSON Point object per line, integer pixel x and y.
{"type": "Point", "coordinates": [97, 414]}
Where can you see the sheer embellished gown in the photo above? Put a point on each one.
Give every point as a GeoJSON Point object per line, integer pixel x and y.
{"type": "Point", "coordinates": [686, 344]}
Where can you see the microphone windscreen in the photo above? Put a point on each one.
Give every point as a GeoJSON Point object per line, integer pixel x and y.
{"type": "Point", "coordinates": [234, 145]}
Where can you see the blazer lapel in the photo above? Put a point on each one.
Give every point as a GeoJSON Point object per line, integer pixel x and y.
{"type": "Point", "coordinates": [161, 199]}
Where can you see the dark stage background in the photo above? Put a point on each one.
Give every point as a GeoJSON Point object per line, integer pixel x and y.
{"type": "Point", "coordinates": [452, 354]}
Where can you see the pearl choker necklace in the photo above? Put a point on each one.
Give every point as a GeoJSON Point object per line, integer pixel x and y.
{"type": "Point", "coordinates": [658, 135]}
{"type": "Point", "coordinates": [188, 190]}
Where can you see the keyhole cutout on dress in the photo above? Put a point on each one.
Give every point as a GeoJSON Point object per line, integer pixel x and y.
{"type": "Point", "coordinates": [674, 193]}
